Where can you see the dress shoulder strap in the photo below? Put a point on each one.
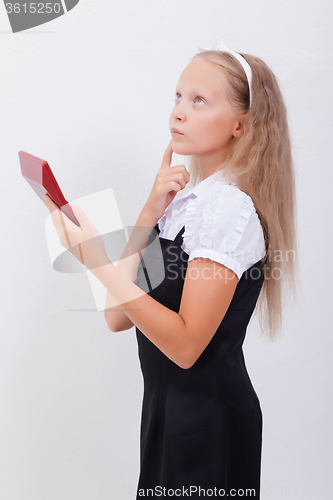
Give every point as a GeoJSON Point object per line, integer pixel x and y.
{"type": "Point", "coordinates": [179, 237]}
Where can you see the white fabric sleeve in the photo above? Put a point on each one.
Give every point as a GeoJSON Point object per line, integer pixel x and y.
{"type": "Point", "coordinates": [225, 228]}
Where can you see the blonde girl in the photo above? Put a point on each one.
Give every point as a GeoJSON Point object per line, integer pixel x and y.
{"type": "Point", "coordinates": [225, 229]}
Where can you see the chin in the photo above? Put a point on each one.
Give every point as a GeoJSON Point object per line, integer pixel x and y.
{"type": "Point", "coordinates": [180, 149]}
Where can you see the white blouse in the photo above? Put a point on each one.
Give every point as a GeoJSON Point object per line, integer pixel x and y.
{"type": "Point", "coordinates": [221, 223]}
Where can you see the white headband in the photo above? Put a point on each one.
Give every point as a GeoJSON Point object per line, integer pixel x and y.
{"type": "Point", "coordinates": [218, 44]}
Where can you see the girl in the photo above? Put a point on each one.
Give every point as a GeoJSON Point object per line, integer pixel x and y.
{"type": "Point", "coordinates": [201, 428]}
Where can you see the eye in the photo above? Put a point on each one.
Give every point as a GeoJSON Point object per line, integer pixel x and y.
{"type": "Point", "coordinates": [196, 99]}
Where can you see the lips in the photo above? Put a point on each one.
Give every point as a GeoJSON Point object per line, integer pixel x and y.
{"type": "Point", "coordinates": [176, 131]}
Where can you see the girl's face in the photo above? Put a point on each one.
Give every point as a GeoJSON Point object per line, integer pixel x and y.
{"type": "Point", "coordinates": [202, 113]}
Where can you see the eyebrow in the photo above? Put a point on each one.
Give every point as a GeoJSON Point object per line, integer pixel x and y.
{"type": "Point", "coordinates": [198, 91]}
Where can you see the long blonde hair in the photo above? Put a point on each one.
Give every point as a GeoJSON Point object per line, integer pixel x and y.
{"type": "Point", "coordinates": [261, 161]}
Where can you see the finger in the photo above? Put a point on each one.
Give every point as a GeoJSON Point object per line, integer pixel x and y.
{"type": "Point", "coordinates": [50, 203]}
{"type": "Point", "coordinates": [167, 157]}
{"type": "Point", "coordinates": [179, 174]}
{"type": "Point", "coordinates": [57, 219]}
{"type": "Point", "coordinates": [174, 186]}
{"type": "Point", "coordinates": [180, 169]}
{"type": "Point", "coordinates": [173, 175]}
{"type": "Point", "coordinates": [78, 211]}
{"type": "Point", "coordinates": [64, 228]}
{"type": "Point", "coordinates": [54, 211]}
{"type": "Point", "coordinates": [71, 231]}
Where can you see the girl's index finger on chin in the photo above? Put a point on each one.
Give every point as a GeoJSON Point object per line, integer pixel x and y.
{"type": "Point", "coordinates": [166, 162]}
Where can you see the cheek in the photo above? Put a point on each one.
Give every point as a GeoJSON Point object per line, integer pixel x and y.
{"type": "Point", "coordinates": [210, 128]}
{"type": "Point", "coordinates": [204, 125]}
{"type": "Point", "coordinates": [220, 126]}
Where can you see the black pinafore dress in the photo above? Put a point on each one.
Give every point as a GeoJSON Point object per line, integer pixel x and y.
{"type": "Point", "coordinates": [200, 427]}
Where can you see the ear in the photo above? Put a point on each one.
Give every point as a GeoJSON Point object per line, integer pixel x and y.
{"type": "Point", "coordinates": [238, 130]}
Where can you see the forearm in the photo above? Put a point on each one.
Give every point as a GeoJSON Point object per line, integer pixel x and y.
{"type": "Point", "coordinates": [164, 327]}
{"type": "Point", "coordinates": [128, 265]}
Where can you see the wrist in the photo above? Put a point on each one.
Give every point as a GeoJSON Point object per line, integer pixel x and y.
{"type": "Point", "coordinates": [98, 269]}
{"type": "Point", "coordinates": [146, 219]}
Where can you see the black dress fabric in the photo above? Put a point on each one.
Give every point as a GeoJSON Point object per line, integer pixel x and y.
{"type": "Point", "coordinates": [201, 428]}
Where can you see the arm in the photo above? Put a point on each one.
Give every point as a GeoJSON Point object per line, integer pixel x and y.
{"type": "Point", "coordinates": [183, 336]}
{"type": "Point", "coordinates": [169, 180]}
{"type": "Point", "coordinates": [207, 292]}
{"type": "Point", "coordinates": [115, 316]}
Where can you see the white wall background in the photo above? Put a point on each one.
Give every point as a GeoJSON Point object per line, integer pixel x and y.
{"type": "Point", "coordinates": [91, 92]}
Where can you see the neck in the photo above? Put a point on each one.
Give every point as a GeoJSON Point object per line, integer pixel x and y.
{"type": "Point", "coordinates": [209, 163]}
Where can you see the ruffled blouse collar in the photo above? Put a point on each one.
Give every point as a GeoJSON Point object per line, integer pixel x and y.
{"type": "Point", "coordinates": [204, 184]}
{"type": "Point", "coordinates": [189, 197]}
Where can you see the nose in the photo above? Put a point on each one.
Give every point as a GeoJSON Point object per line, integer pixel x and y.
{"type": "Point", "coordinates": [178, 112]}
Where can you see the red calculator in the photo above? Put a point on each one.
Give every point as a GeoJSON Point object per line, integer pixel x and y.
{"type": "Point", "coordinates": [39, 175]}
